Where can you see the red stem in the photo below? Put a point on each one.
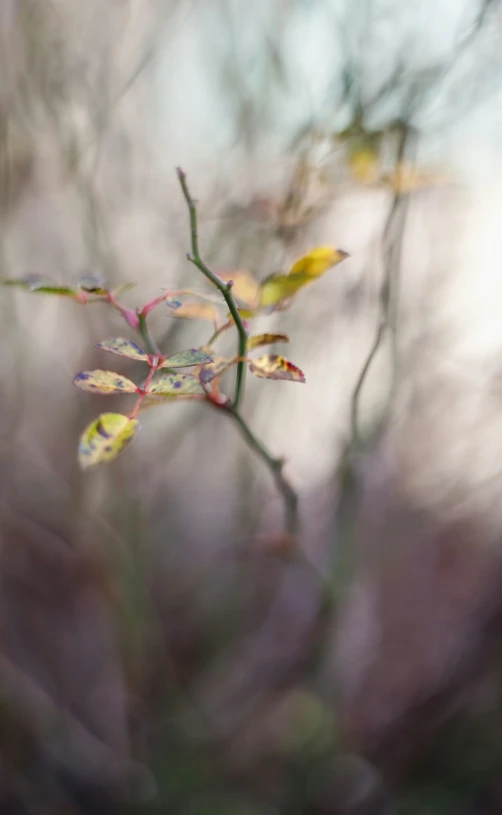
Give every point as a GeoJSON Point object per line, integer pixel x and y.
{"type": "Point", "coordinates": [153, 368]}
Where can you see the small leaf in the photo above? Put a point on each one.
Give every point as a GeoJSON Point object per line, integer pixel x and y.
{"type": "Point", "coordinates": [104, 382]}
{"type": "Point", "coordinates": [62, 291]}
{"type": "Point", "coordinates": [245, 288]}
{"type": "Point", "coordinates": [104, 438]}
{"type": "Point", "coordinates": [40, 285]}
{"type": "Point", "coordinates": [272, 366]}
{"type": "Point", "coordinates": [265, 339]}
{"type": "Point", "coordinates": [318, 261]}
{"type": "Point", "coordinates": [123, 348]}
{"type": "Point", "coordinates": [196, 311]}
{"type": "Point", "coordinates": [185, 359]}
{"type": "Point", "coordinates": [122, 288]}
{"type": "Point", "coordinates": [278, 288]}
{"type": "Point", "coordinates": [26, 282]}
{"type": "Point", "coordinates": [219, 365]}
{"type": "Point", "coordinates": [175, 385]}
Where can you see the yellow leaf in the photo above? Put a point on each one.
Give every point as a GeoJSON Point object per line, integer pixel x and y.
{"type": "Point", "coordinates": [265, 339]}
{"type": "Point", "coordinates": [104, 382]}
{"type": "Point", "coordinates": [272, 366]}
{"type": "Point", "coordinates": [318, 261]}
{"type": "Point", "coordinates": [104, 438]}
{"type": "Point", "coordinates": [277, 288]}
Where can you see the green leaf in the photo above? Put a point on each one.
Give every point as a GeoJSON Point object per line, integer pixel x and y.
{"type": "Point", "coordinates": [124, 348]}
{"type": "Point", "coordinates": [265, 339]}
{"type": "Point", "coordinates": [272, 366]}
{"type": "Point", "coordinates": [175, 385]}
{"type": "Point", "coordinates": [104, 438]}
{"type": "Point", "coordinates": [185, 359]}
{"type": "Point", "coordinates": [104, 382]}
{"type": "Point", "coordinates": [40, 285]}
{"type": "Point", "coordinates": [219, 365]}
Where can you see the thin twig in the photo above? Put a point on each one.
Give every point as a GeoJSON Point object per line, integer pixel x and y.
{"type": "Point", "coordinates": [276, 466]}
{"type": "Point", "coordinates": [151, 345]}
{"type": "Point", "coordinates": [389, 295]}
{"type": "Point", "coordinates": [224, 288]}
{"type": "Point", "coordinates": [356, 393]}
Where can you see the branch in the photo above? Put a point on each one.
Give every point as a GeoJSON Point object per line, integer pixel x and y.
{"type": "Point", "coordinates": [275, 465]}
{"type": "Point", "coordinates": [389, 294]}
{"type": "Point", "coordinates": [224, 288]}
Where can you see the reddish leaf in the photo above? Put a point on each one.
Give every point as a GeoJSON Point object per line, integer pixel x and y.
{"type": "Point", "coordinates": [272, 366]}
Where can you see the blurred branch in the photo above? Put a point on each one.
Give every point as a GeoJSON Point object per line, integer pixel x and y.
{"type": "Point", "coordinates": [415, 85]}
{"type": "Point", "coordinates": [389, 292]}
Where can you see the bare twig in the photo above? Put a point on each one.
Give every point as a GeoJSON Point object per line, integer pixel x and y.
{"type": "Point", "coordinates": [224, 288]}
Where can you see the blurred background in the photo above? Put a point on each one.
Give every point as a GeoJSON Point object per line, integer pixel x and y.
{"type": "Point", "coordinates": [161, 649]}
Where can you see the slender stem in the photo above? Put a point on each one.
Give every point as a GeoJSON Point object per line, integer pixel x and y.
{"type": "Point", "coordinates": [389, 295]}
{"type": "Point", "coordinates": [151, 345]}
{"type": "Point", "coordinates": [275, 465]}
{"type": "Point", "coordinates": [290, 499]}
{"type": "Point", "coordinates": [224, 288]}
{"type": "Point", "coordinates": [142, 395]}
{"type": "Point", "coordinates": [356, 394]}
{"type": "Point", "coordinates": [219, 331]}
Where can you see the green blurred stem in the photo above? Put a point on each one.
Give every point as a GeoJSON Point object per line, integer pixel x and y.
{"type": "Point", "coordinates": [275, 466]}
{"type": "Point", "coordinates": [224, 288]}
